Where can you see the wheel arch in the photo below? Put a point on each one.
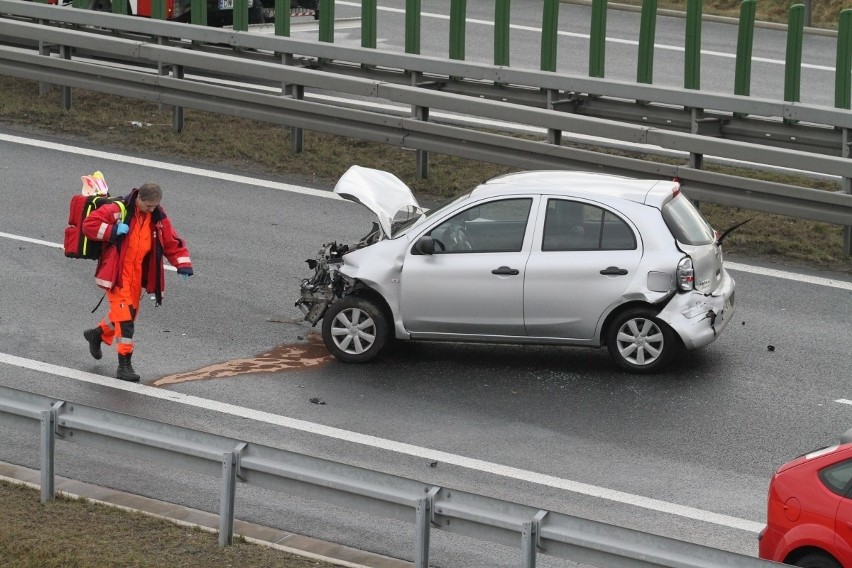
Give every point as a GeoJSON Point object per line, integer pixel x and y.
{"type": "Point", "coordinates": [797, 554]}
{"type": "Point", "coordinates": [362, 290]}
{"type": "Point", "coordinates": [620, 310]}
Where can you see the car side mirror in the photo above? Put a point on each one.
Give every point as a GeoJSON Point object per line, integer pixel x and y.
{"type": "Point", "coordinates": [424, 245]}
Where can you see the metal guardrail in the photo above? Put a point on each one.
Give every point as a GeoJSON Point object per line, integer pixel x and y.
{"type": "Point", "coordinates": [535, 531]}
{"type": "Point", "coordinates": [256, 58]}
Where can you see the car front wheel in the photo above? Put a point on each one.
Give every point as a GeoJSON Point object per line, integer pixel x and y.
{"type": "Point", "coordinates": [639, 342]}
{"type": "Point", "coordinates": [817, 560]}
{"type": "Point", "coordinates": [354, 329]}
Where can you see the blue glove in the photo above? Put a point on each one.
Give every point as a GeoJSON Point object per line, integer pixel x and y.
{"type": "Point", "coordinates": [184, 277]}
{"type": "Point", "coordinates": [185, 273]}
{"type": "Point", "coordinates": [122, 229]}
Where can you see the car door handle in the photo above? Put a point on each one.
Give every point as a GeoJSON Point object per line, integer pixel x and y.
{"type": "Point", "coordinates": [614, 271]}
{"type": "Point", "coordinates": [506, 270]}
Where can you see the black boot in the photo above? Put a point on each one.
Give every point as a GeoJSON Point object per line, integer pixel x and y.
{"type": "Point", "coordinates": [93, 336]}
{"type": "Point", "coordinates": [125, 370]}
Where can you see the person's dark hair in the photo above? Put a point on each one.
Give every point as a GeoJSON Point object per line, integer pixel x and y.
{"type": "Point", "coordinates": [150, 192]}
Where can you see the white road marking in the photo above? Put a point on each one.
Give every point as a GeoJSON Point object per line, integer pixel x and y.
{"type": "Point", "coordinates": [843, 401]}
{"type": "Point", "coordinates": [841, 284]}
{"type": "Point", "coordinates": [127, 159]}
{"type": "Point", "coordinates": [390, 445]}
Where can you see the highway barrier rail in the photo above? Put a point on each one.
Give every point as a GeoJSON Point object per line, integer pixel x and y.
{"type": "Point", "coordinates": [532, 530]}
{"type": "Point", "coordinates": [177, 65]}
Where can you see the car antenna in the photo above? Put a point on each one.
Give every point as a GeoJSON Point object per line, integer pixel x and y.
{"type": "Point", "coordinates": [729, 230]}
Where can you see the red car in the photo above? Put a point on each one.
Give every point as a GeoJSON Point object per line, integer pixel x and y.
{"type": "Point", "coordinates": [809, 512]}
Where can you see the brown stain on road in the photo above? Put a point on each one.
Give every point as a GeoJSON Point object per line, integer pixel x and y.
{"type": "Point", "coordinates": [312, 353]}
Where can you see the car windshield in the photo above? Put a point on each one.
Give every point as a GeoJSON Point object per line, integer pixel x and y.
{"type": "Point", "coordinates": [686, 223]}
{"type": "Point", "coordinates": [405, 226]}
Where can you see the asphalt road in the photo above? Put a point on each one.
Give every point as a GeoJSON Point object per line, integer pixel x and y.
{"type": "Point", "coordinates": [686, 454]}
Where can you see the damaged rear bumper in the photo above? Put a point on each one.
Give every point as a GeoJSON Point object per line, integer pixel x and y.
{"type": "Point", "coordinates": [699, 319]}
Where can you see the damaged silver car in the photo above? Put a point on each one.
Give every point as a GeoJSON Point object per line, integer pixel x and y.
{"type": "Point", "coordinates": [544, 257]}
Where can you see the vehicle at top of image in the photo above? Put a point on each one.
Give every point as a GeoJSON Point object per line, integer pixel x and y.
{"type": "Point", "coordinates": [809, 510]}
{"type": "Point", "coordinates": [544, 257]}
{"type": "Point", "coordinates": [220, 13]}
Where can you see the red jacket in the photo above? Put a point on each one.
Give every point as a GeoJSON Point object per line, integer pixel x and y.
{"type": "Point", "coordinates": [101, 225]}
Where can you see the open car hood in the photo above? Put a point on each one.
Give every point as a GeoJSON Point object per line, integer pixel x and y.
{"type": "Point", "coordinates": [381, 192]}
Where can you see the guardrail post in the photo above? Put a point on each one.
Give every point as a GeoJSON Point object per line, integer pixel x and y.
{"type": "Point", "coordinates": [502, 13]}
{"type": "Point", "coordinates": [227, 494]}
{"type": "Point", "coordinates": [178, 122]}
{"type": "Point", "coordinates": [696, 160]}
{"type": "Point", "coordinates": [692, 52]}
{"type": "Point", "coordinates": [531, 540]}
{"type": "Point", "coordinates": [554, 136]}
{"type": "Point", "coordinates": [458, 14]}
{"type": "Point", "coordinates": [48, 445]}
{"type": "Point", "coordinates": [43, 49]}
{"type": "Point", "coordinates": [549, 34]}
{"type": "Point", "coordinates": [198, 12]}
{"type": "Point", "coordinates": [297, 135]}
{"type": "Point", "coordinates": [326, 19]}
{"type": "Point", "coordinates": [843, 69]}
{"type": "Point", "coordinates": [424, 518]}
{"type": "Point", "coordinates": [793, 63]}
{"type": "Point", "coordinates": [597, 39]}
{"type": "Point", "coordinates": [368, 23]}
{"type": "Point", "coordinates": [412, 26]}
{"type": "Point", "coordinates": [422, 113]}
{"type": "Point", "coordinates": [282, 18]}
{"type": "Point", "coordinates": [65, 98]}
{"type": "Point", "coordinates": [647, 33]}
{"type": "Point", "coordinates": [745, 42]}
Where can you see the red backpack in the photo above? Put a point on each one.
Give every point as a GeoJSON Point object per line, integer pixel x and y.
{"type": "Point", "coordinates": [77, 245]}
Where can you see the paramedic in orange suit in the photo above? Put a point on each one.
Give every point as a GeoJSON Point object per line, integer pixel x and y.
{"type": "Point", "coordinates": [132, 259]}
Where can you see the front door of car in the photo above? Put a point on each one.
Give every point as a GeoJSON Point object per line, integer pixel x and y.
{"type": "Point", "coordinates": [583, 259]}
{"type": "Point", "coordinates": [843, 521]}
{"type": "Point", "coordinates": [473, 283]}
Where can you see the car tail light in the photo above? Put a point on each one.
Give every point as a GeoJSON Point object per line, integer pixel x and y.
{"type": "Point", "coordinates": [685, 274]}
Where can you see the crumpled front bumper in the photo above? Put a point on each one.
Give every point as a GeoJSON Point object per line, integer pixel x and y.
{"type": "Point", "coordinates": [699, 319]}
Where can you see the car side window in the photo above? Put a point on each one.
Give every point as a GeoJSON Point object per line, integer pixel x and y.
{"type": "Point", "coordinates": [571, 225]}
{"type": "Point", "coordinates": [838, 478]}
{"type": "Point", "coordinates": [496, 226]}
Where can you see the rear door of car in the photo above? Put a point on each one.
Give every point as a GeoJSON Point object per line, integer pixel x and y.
{"type": "Point", "coordinates": [473, 283]}
{"type": "Point", "coordinates": [583, 259]}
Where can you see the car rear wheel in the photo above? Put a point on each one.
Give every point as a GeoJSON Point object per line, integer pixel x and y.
{"type": "Point", "coordinates": [817, 560]}
{"type": "Point", "coordinates": [354, 329]}
{"type": "Point", "coordinates": [639, 342]}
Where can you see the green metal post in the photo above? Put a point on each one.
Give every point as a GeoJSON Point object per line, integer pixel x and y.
{"type": "Point", "coordinates": [368, 23]}
{"type": "Point", "coordinates": [458, 14]}
{"type": "Point", "coordinates": [240, 15]}
{"type": "Point", "coordinates": [647, 33]}
{"type": "Point", "coordinates": [119, 7]}
{"type": "Point", "coordinates": [843, 78]}
{"type": "Point", "coordinates": [692, 55]}
{"type": "Point", "coordinates": [597, 39]}
{"type": "Point", "coordinates": [198, 12]}
{"type": "Point", "coordinates": [501, 32]}
{"type": "Point", "coordinates": [745, 42]}
{"type": "Point", "coordinates": [326, 21]}
{"type": "Point", "coordinates": [282, 18]}
{"type": "Point", "coordinates": [412, 26]}
{"type": "Point", "coordinates": [80, 3]}
{"type": "Point", "coordinates": [549, 34]}
{"type": "Point", "coordinates": [793, 63]}
{"type": "Point", "coordinates": [158, 9]}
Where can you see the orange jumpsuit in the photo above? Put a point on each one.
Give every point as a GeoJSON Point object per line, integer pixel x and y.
{"type": "Point", "coordinates": [124, 301]}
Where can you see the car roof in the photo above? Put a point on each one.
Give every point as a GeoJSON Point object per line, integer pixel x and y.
{"type": "Point", "coordinates": [581, 184]}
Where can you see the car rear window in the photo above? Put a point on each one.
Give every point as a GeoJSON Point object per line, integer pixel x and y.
{"type": "Point", "coordinates": [838, 477]}
{"type": "Point", "coordinates": [686, 223]}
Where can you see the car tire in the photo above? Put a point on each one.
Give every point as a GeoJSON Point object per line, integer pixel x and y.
{"type": "Point", "coordinates": [355, 329]}
{"type": "Point", "coordinates": [817, 560]}
{"type": "Point", "coordinates": [639, 342]}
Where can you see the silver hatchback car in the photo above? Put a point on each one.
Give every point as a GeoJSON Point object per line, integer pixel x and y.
{"type": "Point", "coordinates": [546, 257]}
